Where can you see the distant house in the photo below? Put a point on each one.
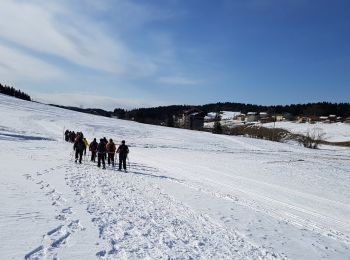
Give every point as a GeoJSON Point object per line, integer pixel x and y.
{"type": "Point", "coordinates": [308, 119]}
{"type": "Point", "coordinates": [287, 117]}
{"type": "Point", "coordinates": [263, 115]}
{"type": "Point", "coordinates": [241, 117]}
{"type": "Point", "coordinates": [252, 117]}
{"type": "Point", "coordinates": [229, 115]}
{"type": "Point", "coordinates": [314, 119]}
{"type": "Point", "coordinates": [332, 118]}
{"type": "Point", "coordinates": [278, 117]}
{"type": "Point", "coordinates": [210, 117]}
{"type": "Point", "coordinates": [265, 118]}
{"type": "Point", "coordinates": [323, 118]}
{"type": "Point", "coordinates": [191, 119]}
{"type": "Point", "coordinates": [303, 119]}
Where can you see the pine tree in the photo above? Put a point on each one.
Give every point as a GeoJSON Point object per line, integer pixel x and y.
{"type": "Point", "coordinates": [170, 121]}
{"type": "Point", "coordinates": [217, 129]}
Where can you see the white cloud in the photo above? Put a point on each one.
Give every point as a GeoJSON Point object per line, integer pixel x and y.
{"type": "Point", "coordinates": [37, 35]}
{"type": "Point", "coordinates": [57, 30]}
{"type": "Point", "coordinates": [177, 80]}
{"type": "Point", "coordinates": [15, 64]}
{"type": "Point", "coordinates": [91, 101]}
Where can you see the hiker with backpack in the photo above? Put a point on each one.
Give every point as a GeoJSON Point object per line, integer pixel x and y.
{"type": "Point", "coordinates": [79, 147]}
{"type": "Point", "coordinates": [123, 151]}
{"type": "Point", "coordinates": [93, 149]}
{"type": "Point", "coordinates": [66, 135]}
{"type": "Point", "coordinates": [72, 137]}
{"type": "Point", "coordinates": [101, 153]}
{"type": "Point", "coordinates": [110, 147]}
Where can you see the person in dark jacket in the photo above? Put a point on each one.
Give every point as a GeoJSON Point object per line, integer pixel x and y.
{"type": "Point", "coordinates": [79, 147]}
{"type": "Point", "coordinates": [110, 147]}
{"type": "Point", "coordinates": [101, 153]}
{"type": "Point", "coordinates": [93, 150]}
{"type": "Point", "coordinates": [66, 135]}
{"type": "Point", "coordinates": [123, 151]}
{"type": "Point", "coordinates": [72, 137]}
{"type": "Point", "coordinates": [106, 142]}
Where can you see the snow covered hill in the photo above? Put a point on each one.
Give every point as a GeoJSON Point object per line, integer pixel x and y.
{"type": "Point", "coordinates": [187, 194]}
{"type": "Point", "coordinates": [335, 132]}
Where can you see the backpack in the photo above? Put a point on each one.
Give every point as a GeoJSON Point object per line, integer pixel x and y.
{"type": "Point", "coordinates": [110, 147]}
{"type": "Point", "coordinates": [93, 146]}
{"type": "Point", "coordinates": [80, 145]}
{"type": "Point", "coordinates": [123, 149]}
{"type": "Point", "coordinates": [101, 147]}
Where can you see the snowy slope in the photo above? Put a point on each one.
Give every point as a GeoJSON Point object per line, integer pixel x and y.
{"type": "Point", "coordinates": [335, 132]}
{"type": "Point", "coordinates": [187, 194]}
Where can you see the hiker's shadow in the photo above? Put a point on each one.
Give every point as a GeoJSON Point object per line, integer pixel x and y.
{"type": "Point", "coordinates": [143, 170]}
{"type": "Point", "coordinates": [163, 177]}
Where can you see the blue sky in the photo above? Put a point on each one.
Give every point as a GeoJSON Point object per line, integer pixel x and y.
{"type": "Point", "coordinates": [137, 53]}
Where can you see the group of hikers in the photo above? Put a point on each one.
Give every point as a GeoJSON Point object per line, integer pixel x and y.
{"type": "Point", "coordinates": [103, 150]}
{"type": "Point", "coordinates": [70, 136]}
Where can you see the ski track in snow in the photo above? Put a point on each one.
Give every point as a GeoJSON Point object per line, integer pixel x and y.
{"type": "Point", "coordinates": [263, 203]}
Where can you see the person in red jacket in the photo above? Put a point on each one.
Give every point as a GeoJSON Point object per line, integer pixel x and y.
{"type": "Point", "coordinates": [111, 151]}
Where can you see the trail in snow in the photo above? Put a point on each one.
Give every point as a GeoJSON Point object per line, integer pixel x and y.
{"type": "Point", "coordinates": [136, 218]}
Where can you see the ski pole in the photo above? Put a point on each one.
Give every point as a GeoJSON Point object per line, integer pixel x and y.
{"type": "Point", "coordinates": [127, 157]}
{"type": "Point", "coordinates": [114, 159]}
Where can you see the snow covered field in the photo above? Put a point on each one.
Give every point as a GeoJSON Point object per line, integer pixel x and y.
{"type": "Point", "coordinates": [335, 132]}
{"type": "Point", "coordinates": [188, 194]}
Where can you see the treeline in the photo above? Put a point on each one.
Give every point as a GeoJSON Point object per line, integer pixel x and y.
{"type": "Point", "coordinates": [163, 114]}
{"type": "Point", "coordinates": [309, 109]}
{"type": "Point", "coordinates": [93, 111]}
{"type": "Point", "coordinates": [153, 115]}
{"type": "Point", "coordinates": [11, 91]}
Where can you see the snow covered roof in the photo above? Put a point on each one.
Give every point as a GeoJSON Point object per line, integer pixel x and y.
{"type": "Point", "coordinates": [229, 114]}
{"type": "Point", "coordinates": [224, 115]}
{"type": "Point", "coordinates": [211, 115]}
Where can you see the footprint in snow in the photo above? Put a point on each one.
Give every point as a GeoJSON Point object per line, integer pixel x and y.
{"type": "Point", "coordinates": [67, 210]}
{"type": "Point", "coordinates": [53, 240]}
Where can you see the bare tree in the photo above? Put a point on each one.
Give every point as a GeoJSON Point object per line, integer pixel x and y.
{"type": "Point", "coordinates": [313, 138]}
